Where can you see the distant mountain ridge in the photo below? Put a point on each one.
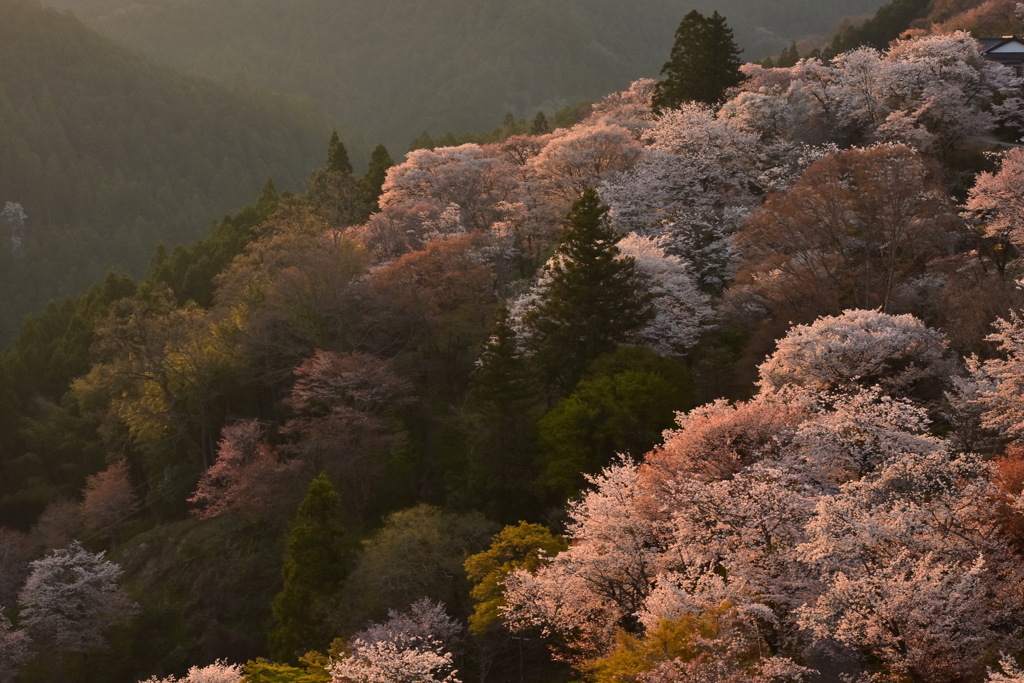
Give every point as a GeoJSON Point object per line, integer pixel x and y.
{"type": "Point", "coordinates": [392, 68]}
{"type": "Point", "coordinates": [111, 154]}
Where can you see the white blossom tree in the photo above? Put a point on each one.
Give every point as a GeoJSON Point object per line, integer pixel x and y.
{"type": "Point", "coordinates": [14, 649]}
{"type": "Point", "coordinates": [857, 349]}
{"type": "Point", "coordinates": [410, 647]}
{"type": "Point", "coordinates": [71, 597]}
{"type": "Point", "coordinates": [218, 672]}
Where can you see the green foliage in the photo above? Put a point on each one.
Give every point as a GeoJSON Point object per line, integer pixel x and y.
{"type": "Point", "coordinates": [704, 63]}
{"type": "Point", "coordinates": [377, 172]}
{"type": "Point", "coordinates": [204, 589]}
{"type": "Point", "coordinates": [540, 125]}
{"type": "Point", "coordinates": [789, 57]}
{"type": "Point", "coordinates": [677, 639]}
{"type": "Point", "coordinates": [502, 399]}
{"type": "Point", "coordinates": [623, 404]}
{"type": "Point", "coordinates": [592, 302]}
{"type": "Point", "coordinates": [313, 572]}
{"type": "Point", "coordinates": [395, 67]}
{"type": "Point", "coordinates": [523, 546]}
{"type": "Point", "coordinates": [418, 553]}
{"type": "Point", "coordinates": [262, 671]}
{"type": "Point", "coordinates": [48, 445]}
{"type": "Point", "coordinates": [109, 154]}
{"type": "Point", "coordinates": [888, 23]}
{"type": "Point", "coordinates": [337, 155]}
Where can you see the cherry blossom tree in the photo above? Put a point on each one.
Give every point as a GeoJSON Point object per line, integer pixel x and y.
{"type": "Point", "coordinates": [996, 386]}
{"type": "Point", "coordinates": [71, 597]}
{"type": "Point", "coordinates": [858, 348]}
{"type": "Point", "coordinates": [597, 586]}
{"type": "Point", "coordinates": [410, 647]}
{"type": "Point", "coordinates": [717, 440]}
{"type": "Point", "coordinates": [466, 176]}
{"type": "Point", "coordinates": [681, 310]}
{"type": "Point", "coordinates": [577, 159]}
{"type": "Point", "coordinates": [109, 498]}
{"type": "Point", "coordinates": [13, 216]}
{"type": "Point", "coordinates": [14, 649]}
{"type": "Point", "coordinates": [996, 201]}
{"type": "Point", "coordinates": [218, 672]}
{"type": "Point", "coordinates": [247, 476]}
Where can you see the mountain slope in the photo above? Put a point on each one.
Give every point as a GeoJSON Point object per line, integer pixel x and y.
{"type": "Point", "coordinates": [392, 68]}
{"type": "Point", "coordinates": [110, 154]}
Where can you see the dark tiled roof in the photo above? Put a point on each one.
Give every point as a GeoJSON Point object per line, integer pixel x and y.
{"type": "Point", "coordinates": [990, 49]}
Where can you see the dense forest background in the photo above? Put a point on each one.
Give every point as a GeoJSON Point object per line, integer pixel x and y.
{"type": "Point", "coordinates": [394, 68]}
{"type": "Point", "coordinates": [110, 154]}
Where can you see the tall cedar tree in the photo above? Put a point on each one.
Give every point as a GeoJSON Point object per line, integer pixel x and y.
{"type": "Point", "coordinates": [592, 303]}
{"type": "Point", "coordinates": [313, 572]}
{"type": "Point", "coordinates": [502, 393]}
{"type": "Point", "coordinates": [704, 63]}
{"type": "Point", "coordinates": [337, 155]}
{"type": "Point", "coordinates": [372, 183]}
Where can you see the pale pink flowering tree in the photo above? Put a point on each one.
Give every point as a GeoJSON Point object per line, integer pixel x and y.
{"type": "Point", "coordinates": [859, 348]}
{"type": "Point", "coordinates": [410, 647]}
{"type": "Point", "coordinates": [681, 310]}
{"type": "Point", "coordinates": [599, 585]}
{"type": "Point", "coordinates": [218, 672]}
{"type": "Point", "coordinates": [71, 597]}
{"type": "Point", "coordinates": [466, 176]}
{"type": "Point", "coordinates": [109, 498]}
{"type": "Point", "coordinates": [996, 386]}
{"type": "Point", "coordinates": [246, 476]}
{"type": "Point", "coordinates": [997, 200]}
{"type": "Point", "coordinates": [14, 649]}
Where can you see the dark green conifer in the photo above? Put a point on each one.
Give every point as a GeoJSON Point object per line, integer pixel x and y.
{"type": "Point", "coordinates": [789, 57]}
{"type": "Point", "coordinates": [592, 302]}
{"type": "Point", "coordinates": [540, 124]}
{"type": "Point", "coordinates": [502, 395]}
{"type": "Point", "coordinates": [373, 181]}
{"type": "Point", "coordinates": [704, 63]}
{"type": "Point", "coordinates": [337, 155]}
{"type": "Point", "coordinates": [313, 572]}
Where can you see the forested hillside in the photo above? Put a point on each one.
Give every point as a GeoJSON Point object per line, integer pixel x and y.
{"type": "Point", "coordinates": [109, 154]}
{"type": "Point", "coordinates": [393, 68]}
{"type": "Point", "coordinates": [720, 382]}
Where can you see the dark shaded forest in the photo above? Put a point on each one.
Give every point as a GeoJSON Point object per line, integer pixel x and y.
{"type": "Point", "coordinates": [450, 65]}
{"type": "Point", "coordinates": [110, 154]}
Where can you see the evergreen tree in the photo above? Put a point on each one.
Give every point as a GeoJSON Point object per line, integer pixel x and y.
{"type": "Point", "coordinates": [313, 571]}
{"type": "Point", "coordinates": [704, 63]}
{"type": "Point", "coordinates": [373, 181]}
{"type": "Point", "coordinates": [502, 394]}
{"type": "Point", "coordinates": [789, 57]}
{"type": "Point", "coordinates": [540, 124]}
{"type": "Point", "coordinates": [592, 300]}
{"type": "Point", "coordinates": [337, 155]}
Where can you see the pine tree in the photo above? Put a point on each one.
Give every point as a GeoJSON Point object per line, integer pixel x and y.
{"type": "Point", "coordinates": [540, 124]}
{"type": "Point", "coordinates": [373, 181]}
{"type": "Point", "coordinates": [704, 63]}
{"type": "Point", "coordinates": [592, 301]}
{"type": "Point", "coordinates": [337, 155]}
{"type": "Point", "coordinates": [313, 572]}
{"type": "Point", "coordinates": [789, 57]}
{"type": "Point", "coordinates": [502, 395]}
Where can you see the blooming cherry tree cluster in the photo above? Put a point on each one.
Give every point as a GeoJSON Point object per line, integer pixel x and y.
{"type": "Point", "coordinates": [820, 514]}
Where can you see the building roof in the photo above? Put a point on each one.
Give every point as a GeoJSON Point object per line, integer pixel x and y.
{"type": "Point", "coordinates": [1006, 50]}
